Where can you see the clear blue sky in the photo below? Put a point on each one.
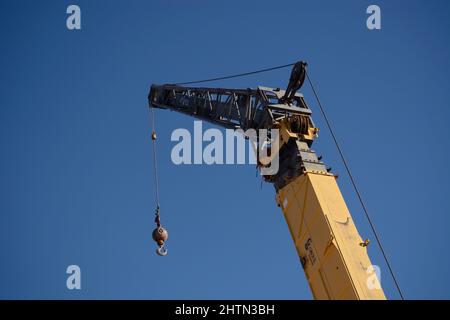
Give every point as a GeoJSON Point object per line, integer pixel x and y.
{"type": "Point", "coordinates": [76, 182]}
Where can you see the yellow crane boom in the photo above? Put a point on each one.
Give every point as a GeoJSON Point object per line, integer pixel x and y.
{"type": "Point", "coordinates": [332, 253]}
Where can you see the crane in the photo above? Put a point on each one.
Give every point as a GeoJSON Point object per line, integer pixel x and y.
{"type": "Point", "coordinates": [333, 255]}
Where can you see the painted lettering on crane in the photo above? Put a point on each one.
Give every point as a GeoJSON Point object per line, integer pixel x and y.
{"type": "Point", "coordinates": [309, 248]}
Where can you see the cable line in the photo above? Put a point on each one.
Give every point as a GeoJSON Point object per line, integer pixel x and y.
{"type": "Point", "coordinates": [160, 234]}
{"type": "Point", "coordinates": [237, 75]}
{"type": "Point", "coordinates": [155, 168]}
{"type": "Point", "coordinates": [347, 168]}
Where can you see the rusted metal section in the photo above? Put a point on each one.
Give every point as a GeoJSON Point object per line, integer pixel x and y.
{"type": "Point", "coordinates": [160, 235]}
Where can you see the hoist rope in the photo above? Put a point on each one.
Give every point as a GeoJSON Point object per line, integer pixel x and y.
{"type": "Point", "coordinates": [155, 167]}
{"type": "Point", "coordinates": [347, 168]}
{"type": "Point", "coordinates": [237, 75]}
{"type": "Point", "coordinates": [160, 234]}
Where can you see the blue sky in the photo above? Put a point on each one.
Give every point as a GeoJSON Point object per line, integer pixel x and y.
{"type": "Point", "coordinates": [76, 182]}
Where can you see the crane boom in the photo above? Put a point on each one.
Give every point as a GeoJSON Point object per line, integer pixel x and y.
{"type": "Point", "coordinates": [229, 108]}
{"type": "Point", "coordinates": [332, 253]}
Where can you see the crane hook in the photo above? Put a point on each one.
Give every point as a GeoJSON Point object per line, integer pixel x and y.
{"type": "Point", "coordinates": [160, 235]}
{"type": "Point", "coordinates": [161, 250]}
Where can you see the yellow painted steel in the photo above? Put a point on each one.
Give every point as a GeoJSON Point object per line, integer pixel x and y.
{"type": "Point", "coordinates": [332, 252]}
